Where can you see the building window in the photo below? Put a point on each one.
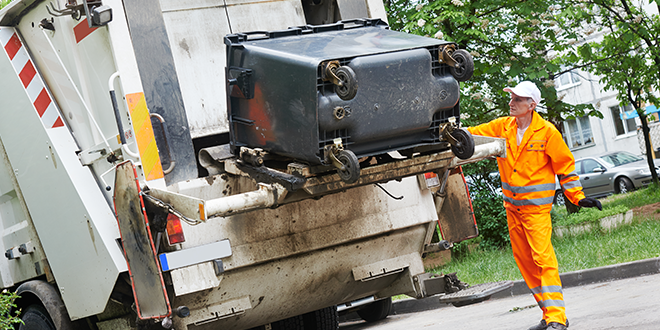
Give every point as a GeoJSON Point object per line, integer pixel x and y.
{"type": "Point", "coordinates": [568, 80]}
{"type": "Point", "coordinates": [623, 126]}
{"type": "Point", "coordinates": [577, 132]}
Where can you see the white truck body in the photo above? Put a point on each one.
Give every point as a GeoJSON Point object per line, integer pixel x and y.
{"type": "Point", "coordinates": [58, 216]}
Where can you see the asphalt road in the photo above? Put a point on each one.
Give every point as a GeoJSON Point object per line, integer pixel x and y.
{"type": "Point", "coordinates": [621, 304]}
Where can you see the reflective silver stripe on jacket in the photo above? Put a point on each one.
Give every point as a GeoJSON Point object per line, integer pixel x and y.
{"type": "Point", "coordinates": [569, 175]}
{"type": "Point", "coordinates": [571, 184]}
{"type": "Point", "coordinates": [532, 201]}
{"type": "Point", "coordinates": [528, 189]}
{"type": "Point", "coordinates": [547, 289]}
{"type": "Point", "coordinates": [554, 303]}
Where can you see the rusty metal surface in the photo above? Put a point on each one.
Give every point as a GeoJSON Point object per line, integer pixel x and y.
{"type": "Point", "coordinates": [308, 225]}
{"type": "Point", "coordinates": [484, 148]}
{"type": "Point", "coordinates": [456, 217]}
{"type": "Point", "coordinates": [146, 279]}
{"type": "Point", "coordinates": [287, 287]}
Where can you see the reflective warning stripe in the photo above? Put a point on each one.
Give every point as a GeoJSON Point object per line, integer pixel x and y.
{"type": "Point", "coordinates": [144, 135]}
{"type": "Point", "coordinates": [82, 30]}
{"type": "Point", "coordinates": [32, 82]}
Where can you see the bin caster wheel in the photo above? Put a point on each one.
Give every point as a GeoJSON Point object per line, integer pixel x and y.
{"type": "Point", "coordinates": [464, 65]}
{"type": "Point", "coordinates": [464, 147]}
{"type": "Point", "coordinates": [347, 89]}
{"type": "Point", "coordinates": [350, 172]}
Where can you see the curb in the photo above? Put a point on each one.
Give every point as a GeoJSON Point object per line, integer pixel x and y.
{"type": "Point", "coordinates": [570, 279]}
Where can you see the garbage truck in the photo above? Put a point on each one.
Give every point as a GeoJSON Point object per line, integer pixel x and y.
{"type": "Point", "coordinates": [231, 164]}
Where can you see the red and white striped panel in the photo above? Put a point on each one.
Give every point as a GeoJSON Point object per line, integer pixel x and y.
{"type": "Point", "coordinates": [32, 82]}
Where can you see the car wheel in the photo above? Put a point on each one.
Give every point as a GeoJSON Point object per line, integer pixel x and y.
{"type": "Point", "coordinates": [376, 311]}
{"type": "Point", "coordinates": [623, 185]}
{"type": "Point", "coordinates": [560, 199]}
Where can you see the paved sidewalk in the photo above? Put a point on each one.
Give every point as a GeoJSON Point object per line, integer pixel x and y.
{"type": "Point", "coordinates": [625, 304]}
{"type": "Point", "coordinates": [570, 279]}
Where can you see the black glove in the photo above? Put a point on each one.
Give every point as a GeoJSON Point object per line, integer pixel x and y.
{"type": "Point", "coordinates": [590, 202]}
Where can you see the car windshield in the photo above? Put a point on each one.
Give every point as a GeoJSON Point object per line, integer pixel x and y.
{"type": "Point", "coordinates": [620, 158]}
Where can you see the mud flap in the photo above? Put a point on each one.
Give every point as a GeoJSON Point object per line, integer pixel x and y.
{"type": "Point", "coordinates": [456, 217]}
{"type": "Point", "coordinates": [146, 278]}
{"type": "Point", "coordinates": [475, 294]}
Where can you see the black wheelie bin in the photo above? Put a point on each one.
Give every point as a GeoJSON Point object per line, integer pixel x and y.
{"type": "Point", "coordinates": [329, 95]}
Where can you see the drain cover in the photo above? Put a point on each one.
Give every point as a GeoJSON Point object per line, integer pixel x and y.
{"type": "Point", "coordinates": [475, 294]}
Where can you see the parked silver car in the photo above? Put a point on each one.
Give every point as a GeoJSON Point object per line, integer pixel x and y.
{"type": "Point", "coordinates": [612, 172]}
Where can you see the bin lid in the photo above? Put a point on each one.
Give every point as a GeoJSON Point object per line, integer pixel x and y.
{"type": "Point", "coordinates": [322, 44]}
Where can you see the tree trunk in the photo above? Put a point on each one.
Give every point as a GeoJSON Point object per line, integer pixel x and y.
{"type": "Point", "coordinates": [647, 143]}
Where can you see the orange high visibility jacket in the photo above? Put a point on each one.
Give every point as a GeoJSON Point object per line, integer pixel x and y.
{"type": "Point", "coordinates": [529, 169]}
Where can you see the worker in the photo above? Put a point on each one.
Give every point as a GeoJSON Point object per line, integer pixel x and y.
{"type": "Point", "coordinates": [535, 153]}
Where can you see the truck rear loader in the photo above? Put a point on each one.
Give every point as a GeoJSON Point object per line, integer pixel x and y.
{"type": "Point", "coordinates": [233, 164]}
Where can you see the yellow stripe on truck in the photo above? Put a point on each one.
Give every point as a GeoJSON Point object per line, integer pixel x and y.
{"type": "Point", "coordinates": [144, 135]}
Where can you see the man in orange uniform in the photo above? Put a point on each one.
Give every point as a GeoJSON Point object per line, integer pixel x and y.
{"type": "Point", "coordinates": [536, 153]}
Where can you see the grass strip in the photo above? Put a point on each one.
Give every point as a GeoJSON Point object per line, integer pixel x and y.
{"type": "Point", "coordinates": [637, 241]}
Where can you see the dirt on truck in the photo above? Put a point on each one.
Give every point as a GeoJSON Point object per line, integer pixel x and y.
{"type": "Point", "coordinates": [242, 165]}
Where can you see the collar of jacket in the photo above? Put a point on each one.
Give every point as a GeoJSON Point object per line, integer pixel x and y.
{"type": "Point", "coordinates": [511, 129]}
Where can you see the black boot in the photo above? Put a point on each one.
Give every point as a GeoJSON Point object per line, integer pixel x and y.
{"type": "Point", "coordinates": [557, 326]}
{"type": "Point", "coordinates": [541, 326]}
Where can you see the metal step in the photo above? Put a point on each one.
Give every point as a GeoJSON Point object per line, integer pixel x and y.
{"type": "Point", "coordinates": [475, 294]}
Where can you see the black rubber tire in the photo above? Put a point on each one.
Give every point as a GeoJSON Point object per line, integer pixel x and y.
{"type": "Point", "coordinates": [624, 185]}
{"type": "Point", "coordinates": [35, 317]}
{"type": "Point", "coordinates": [349, 87]}
{"type": "Point", "coordinates": [292, 323]}
{"type": "Point", "coordinates": [465, 147]}
{"type": "Point", "coordinates": [376, 311]}
{"type": "Point", "coordinates": [465, 68]}
{"type": "Point", "coordinates": [322, 319]}
{"type": "Point", "coordinates": [560, 199]}
{"type": "Point", "coordinates": [351, 171]}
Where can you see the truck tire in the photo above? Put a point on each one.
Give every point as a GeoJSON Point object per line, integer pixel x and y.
{"type": "Point", "coordinates": [376, 311]}
{"type": "Point", "coordinates": [35, 317]}
{"type": "Point", "coordinates": [322, 319]}
{"type": "Point", "coordinates": [292, 323]}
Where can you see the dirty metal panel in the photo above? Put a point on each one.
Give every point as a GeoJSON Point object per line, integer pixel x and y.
{"type": "Point", "coordinates": [456, 218]}
{"type": "Point", "coordinates": [484, 147]}
{"type": "Point", "coordinates": [313, 224]}
{"type": "Point", "coordinates": [194, 278]}
{"type": "Point", "coordinates": [220, 311]}
{"type": "Point", "coordinates": [16, 228]}
{"type": "Point", "coordinates": [147, 281]}
{"type": "Point", "coordinates": [367, 272]}
{"type": "Point", "coordinates": [196, 29]}
{"type": "Point", "coordinates": [195, 255]}
{"type": "Point", "coordinates": [160, 81]}
{"type": "Point", "coordinates": [349, 9]}
{"type": "Point", "coordinates": [190, 207]}
{"type": "Point", "coordinates": [305, 282]}
{"type": "Point", "coordinates": [377, 9]}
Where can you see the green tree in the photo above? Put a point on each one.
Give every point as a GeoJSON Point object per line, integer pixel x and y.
{"type": "Point", "coordinates": [510, 41]}
{"type": "Point", "coordinates": [7, 320]}
{"type": "Point", "coordinates": [626, 57]}
{"type": "Point", "coordinates": [3, 3]}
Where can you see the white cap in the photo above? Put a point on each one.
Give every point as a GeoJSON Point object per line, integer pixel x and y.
{"type": "Point", "coordinates": [526, 89]}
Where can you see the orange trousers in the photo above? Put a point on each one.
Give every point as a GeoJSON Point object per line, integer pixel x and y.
{"type": "Point", "coordinates": [535, 256]}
